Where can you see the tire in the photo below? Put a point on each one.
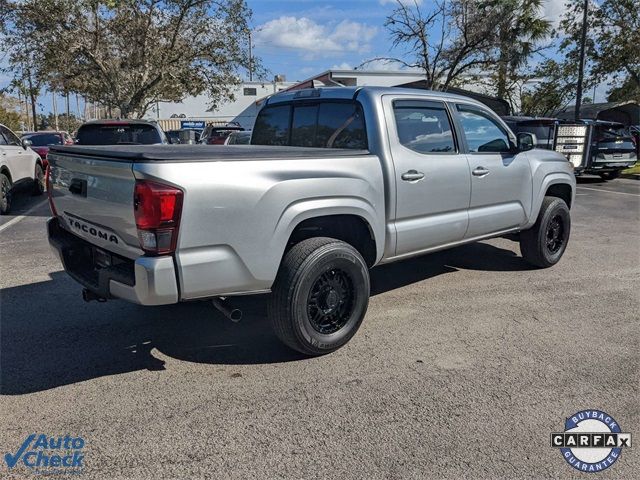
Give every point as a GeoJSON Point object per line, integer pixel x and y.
{"type": "Point", "coordinates": [610, 175]}
{"type": "Point", "coordinates": [544, 243]}
{"type": "Point", "coordinates": [39, 181]}
{"type": "Point", "coordinates": [320, 296]}
{"type": "Point", "coordinates": [5, 194]}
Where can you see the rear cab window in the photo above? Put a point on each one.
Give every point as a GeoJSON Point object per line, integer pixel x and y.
{"type": "Point", "coordinates": [118, 134]}
{"type": "Point", "coordinates": [324, 124]}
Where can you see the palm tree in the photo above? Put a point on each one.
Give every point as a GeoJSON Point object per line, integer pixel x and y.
{"type": "Point", "coordinates": [520, 30]}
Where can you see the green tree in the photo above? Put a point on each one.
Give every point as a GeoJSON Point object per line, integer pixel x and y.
{"type": "Point", "coordinates": [520, 31]}
{"type": "Point", "coordinates": [129, 54]}
{"type": "Point", "coordinates": [555, 89]}
{"type": "Point", "coordinates": [628, 90]}
{"type": "Point", "coordinates": [616, 51]}
{"type": "Point", "coordinates": [447, 39]}
{"type": "Point", "coordinates": [8, 114]}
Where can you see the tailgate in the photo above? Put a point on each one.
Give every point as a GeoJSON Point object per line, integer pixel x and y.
{"type": "Point", "coordinates": [94, 200]}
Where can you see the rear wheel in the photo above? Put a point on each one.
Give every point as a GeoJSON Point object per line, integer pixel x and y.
{"type": "Point", "coordinates": [38, 181]}
{"type": "Point", "coordinates": [5, 194]}
{"type": "Point", "coordinates": [544, 243]}
{"type": "Point", "coordinates": [320, 296]}
{"type": "Point", "coordinates": [610, 175]}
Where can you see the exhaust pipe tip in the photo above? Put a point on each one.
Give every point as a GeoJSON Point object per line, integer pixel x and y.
{"type": "Point", "coordinates": [233, 314]}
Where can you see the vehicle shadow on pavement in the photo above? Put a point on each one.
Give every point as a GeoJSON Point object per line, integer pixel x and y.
{"type": "Point", "coordinates": [49, 337]}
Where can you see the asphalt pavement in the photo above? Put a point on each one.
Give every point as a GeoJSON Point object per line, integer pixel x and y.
{"type": "Point", "coordinates": [466, 362]}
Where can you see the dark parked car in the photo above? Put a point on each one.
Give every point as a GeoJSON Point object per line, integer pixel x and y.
{"type": "Point", "coordinates": [542, 127]}
{"type": "Point", "coordinates": [596, 147]}
{"type": "Point", "coordinates": [217, 135]}
{"type": "Point", "coordinates": [120, 132]}
{"type": "Point", "coordinates": [41, 141]}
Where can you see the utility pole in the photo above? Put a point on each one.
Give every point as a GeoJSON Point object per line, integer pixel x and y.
{"type": "Point", "coordinates": [54, 104]}
{"type": "Point", "coordinates": [250, 59]}
{"type": "Point", "coordinates": [68, 113]}
{"type": "Point", "coordinates": [583, 41]}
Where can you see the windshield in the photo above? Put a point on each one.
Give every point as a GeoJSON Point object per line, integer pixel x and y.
{"type": "Point", "coordinates": [611, 133]}
{"type": "Point", "coordinates": [119, 134]}
{"type": "Point", "coordinates": [42, 140]}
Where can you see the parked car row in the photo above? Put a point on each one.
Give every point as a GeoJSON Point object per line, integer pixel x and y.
{"type": "Point", "coordinates": [592, 146]}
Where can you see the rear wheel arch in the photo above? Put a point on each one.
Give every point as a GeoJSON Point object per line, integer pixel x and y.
{"type": "Point", "coordinates": [349, 228]}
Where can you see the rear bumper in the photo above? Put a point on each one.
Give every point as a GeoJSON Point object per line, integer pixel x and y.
{"type": "Point", "coordinates": [146, 281]}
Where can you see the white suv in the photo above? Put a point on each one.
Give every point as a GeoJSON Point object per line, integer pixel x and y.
{"type": "Point", "coordinates": [19, 166]}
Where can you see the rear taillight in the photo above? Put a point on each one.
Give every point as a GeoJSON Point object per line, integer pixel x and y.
{"type": "Point", "coordinates": [157, 209]}
{"type": "Point", "coordinates": [52, 207]}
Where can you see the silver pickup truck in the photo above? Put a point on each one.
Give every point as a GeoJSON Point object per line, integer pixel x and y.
{"type": "Point", "coordinates": [336, 181]}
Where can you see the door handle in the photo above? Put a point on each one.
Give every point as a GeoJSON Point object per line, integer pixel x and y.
{"type": "Point", "coordinates": [412, 176]}
{"type": "Point", "coordinates": [480, 172]}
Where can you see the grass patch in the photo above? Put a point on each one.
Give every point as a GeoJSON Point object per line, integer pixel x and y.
{"type": "Point", "coordinates": [633, 170]}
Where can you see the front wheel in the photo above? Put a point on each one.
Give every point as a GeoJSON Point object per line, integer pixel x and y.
{"type": "Point", "coordinates": [320, 296]}
{"type": "Point", "coordinates": [610, 175]}
{"type": "Point", "coordinates": [544, 243]}
{"type": "Point", "coordinates": [38, 181]}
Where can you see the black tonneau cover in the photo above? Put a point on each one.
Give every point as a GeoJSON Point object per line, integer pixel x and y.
{"type": "Point", "coordinates": [192, 153]}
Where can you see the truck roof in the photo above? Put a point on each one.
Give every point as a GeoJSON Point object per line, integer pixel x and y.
{"type": "Point", "coordinates": [344, 93]}
{"type": "Point", "coordinates": [193, 153]}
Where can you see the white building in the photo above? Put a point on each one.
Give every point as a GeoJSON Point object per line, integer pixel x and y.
{"type": "Point", "coordinates": [242, 109]}
{"type": "Point", "coordinates": [249, 95]}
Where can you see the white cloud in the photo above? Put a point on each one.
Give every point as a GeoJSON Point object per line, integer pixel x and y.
{"type": "Point", "coordinates": [553, 10]}
{"type": "Point", "coordinates": [313, 38]}
{"type": "Point", "coordinates": [342, 66]}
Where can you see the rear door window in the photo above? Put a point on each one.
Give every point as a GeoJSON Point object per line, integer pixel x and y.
{"type": "Point", "coordinates": [272, 126]}
{"type": "Point", "coordinates": [424, 126]}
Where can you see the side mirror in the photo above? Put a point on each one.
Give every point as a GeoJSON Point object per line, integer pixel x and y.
{"type": "Point", "coordinates": [526, 141]}
{"type": "Point", "coordinates": [26, 143]}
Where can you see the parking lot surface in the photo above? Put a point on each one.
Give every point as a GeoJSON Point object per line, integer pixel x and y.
{"type": "Point", "coordinates": [466, 362]}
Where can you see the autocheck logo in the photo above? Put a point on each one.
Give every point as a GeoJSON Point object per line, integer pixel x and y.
{"type": "Point", "coordinates": [592, 440]}
{"type": "Point", "coordinates": [49, 455]}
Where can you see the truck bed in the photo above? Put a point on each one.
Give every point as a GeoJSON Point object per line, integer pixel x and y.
{"type": "Point", "coordinates": [201, 153]}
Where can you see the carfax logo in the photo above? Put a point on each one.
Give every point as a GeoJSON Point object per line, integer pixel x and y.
{"type": "Point", "coordinates": [592, 440]}
{"type": "Point", "coordinates": [49, 455]}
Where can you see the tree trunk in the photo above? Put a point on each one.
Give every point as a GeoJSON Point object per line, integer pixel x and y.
{"type": "Point", "coordinates": [501, 81]}
{"type": "Point", "coordinates": [34, 98]}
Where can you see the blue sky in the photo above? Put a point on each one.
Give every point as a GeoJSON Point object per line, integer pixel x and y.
{"type": "Point", "coordinates": [300, 38]}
